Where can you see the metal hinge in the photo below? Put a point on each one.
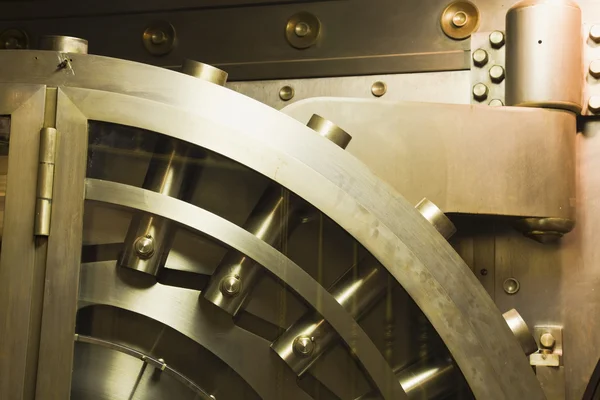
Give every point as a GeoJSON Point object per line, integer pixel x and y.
{"type": "Point", "coordinates": [45, 183]}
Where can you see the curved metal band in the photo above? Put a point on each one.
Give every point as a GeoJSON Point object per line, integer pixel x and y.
{"type": "Point", "coordinates": [102, 283]}
{"type": "Point", "coordinates": [147, 359]}
{"type": "Point", "coordinates": [418, 257]}
{"type": "Point", "coordinates": [283, 268]}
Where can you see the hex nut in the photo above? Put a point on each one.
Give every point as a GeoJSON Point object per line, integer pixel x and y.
{"type": "Point", "coordinates": [594, 68]}
{"type": "Point", "coordinates": [497, 39]}
{"type": "Point", "coordinates": [480, 57]}
{"type": "Point", "coordinates": [594, 104]}
{"type": "Point", "coordinates": [595, 33]}
{"type": "Point", "coordinates": [480, 92]}
{"type": "Point", "coordinates": [495, 103]}
{"type": "Point", "coordinates": [497, 73]}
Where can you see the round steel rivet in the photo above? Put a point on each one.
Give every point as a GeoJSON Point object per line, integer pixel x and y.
{"type": "Point", "coordinates": [144, 246]}
{"type": "Point", "coordinates": [547, 341]}
{"type": "Point", "coordinates": [483, 272]}
{"type": "Point", "coordinates": [480, 57]}
{"type": "Point", "coordinates": [286, 93]}
{"type": "Point", "coordinates": [480, 92]}
{"type": "Point", "coordinates": [378, 89]}
{"type": "Point", "coordinates": [497, 73]}
{"type": "Point", "coordinates": [158, 37]}
{"type": "Point", "coordinates": [301, 29]}
{"type": "Point", "coordinates": [594, 104]}
{"type": "Point", "coordinates": [304, 346]}
{"type": "Point", "coordinates": [595, 69]}
{"type": "Point", "coordinates": [497, 39]}
{"type": "Point", "coordinates": [511, 286]}
{"type": "Point", "coordinates": [460, 19]}
{"type": "Point", "coordinates": [231, 285]}
{"type": "Point", "coordinates": [595, 33]}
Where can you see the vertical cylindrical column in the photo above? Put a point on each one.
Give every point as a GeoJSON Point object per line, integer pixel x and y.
{"type": "Point", "coordinates": [357, 291]}
{"type": "Point", "coordinates": [544, 54]}
{"type": "Point", "coordinates": [64, 44]}
{"type": "Point", "coordinates": [272, 219]}
{"type": "Point", "coordinates": [149, 238]}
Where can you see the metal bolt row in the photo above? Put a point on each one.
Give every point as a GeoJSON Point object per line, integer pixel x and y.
{"type": "Point", "coordinates": [496, 72]}
{"type": "Point", "coordinates": [378, 89]}
{"type": "Point", "coordinates": [594, 70]}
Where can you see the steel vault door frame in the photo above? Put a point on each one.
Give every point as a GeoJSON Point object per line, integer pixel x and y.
{"type": "Point", "coordinates": [22, 261]}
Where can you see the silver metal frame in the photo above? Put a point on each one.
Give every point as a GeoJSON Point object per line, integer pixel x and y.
{"type": "Point", "coordinates": [259, 137]}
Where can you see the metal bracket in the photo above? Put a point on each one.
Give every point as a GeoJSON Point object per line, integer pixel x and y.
{"type": "Point", "coordinates": [550, 342]}
{"type": "Point", "coordinates": [45, 183]}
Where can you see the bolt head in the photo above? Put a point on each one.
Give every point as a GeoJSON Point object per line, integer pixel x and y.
{"type": "Point", "coordinates": [460, 19]}
{"type": "Point", "coordinates": [547, 341]}
{"type": "Point", "coordinates": [480, 57]}
{"type": "Point", "coordinates": [144, 246]}
{"type": "Point", "coordinates": [301, 29]}
{"type": "Point", "coordinates": [497, 39]}
{"type": "Point", "coordinates": [595, 68]}
{"type": "Point", "coordinates": [495, 103]}
{"type": "Point", "coordinates": [378, 89]}
{"type": "Point", "coordinates": [158, 37]}
{"type": "Point", "coordinates": [511, 286]}
{"type": "Point", "coordinates": [595, 33]}
{"type": "Point", "coordinates": [497, 73]}
{"type": "Point", "coordinates": [231, 285]}
{"type": "Point", "coordinates": [480, 92]}
{"type": "Point", "coordinates": [594, 104]}
{"type": "Point", "coordinates": [304, 346]}
{"type": "Point", "coordinates": [286, 93]}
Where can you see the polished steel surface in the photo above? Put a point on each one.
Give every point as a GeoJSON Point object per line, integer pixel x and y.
{"type": "Point", "coordinates": [329, 130]}
{"type": "Point", "coordinates": [21, 275]}
{"type": "Point", "coordinates": [462, 148]}
{"type": "Point", "coordinates": [256, 249]}
{"type": "Point", "coordinates": [539, 33]}
{"type": "Point", "coordinates": [64, 44]}
{"type": "Point", "coordinates": [520, 329]}
{"type": "Point", "coordinates": [436, 217]}
{"type": "Point", "coordinates": [204, 71]}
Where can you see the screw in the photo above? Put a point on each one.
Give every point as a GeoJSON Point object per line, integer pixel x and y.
{"type": "Point", "coordinates": [483, 272]}
{"type": "Point", "coordinates": [594, 104]}
{"type": "Point", "coordinates": [547, 340]}
{"type": "Point", "coordinates": [496, 103]}
{"type": "Point", "coordinates": [158, 37]}
{"type": "Point", "coordinates": [511, 286]}
{"type": "Point", "coordinates": [144, 246]}
{"type": "Point", "coordinates": [595, 33]}
{"type": "Point", "coordinates": [595, 69]}
{"type": "Point", "coordinates": [497, 39]}
{"type": "Point", "coordinates": [497, 74]}
{"type": "Point", "coordinates": [378, 89]}
{"type": "Point", "coordinates": [286, 93]}
{"type": "Point", "coordinates": [231, 285]}
{"type": "Point", "coordinates": [304, 346]}
{"type": "Point", "coordinates": [301, 29]}
{"type": "Point", "coordinates": [459, 19]}
{"type": "Point", "coordinates": [480, 92]}
{"type": "Point", "coordinates": [480, 57]}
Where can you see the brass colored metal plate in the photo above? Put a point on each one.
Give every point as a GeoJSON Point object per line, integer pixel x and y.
{"type": "Point", "coordinates": [159, 38]}
{"type": "Point", "coordinates": [302, 30]}
{"type": "Point", "coordinates": [460, 19]}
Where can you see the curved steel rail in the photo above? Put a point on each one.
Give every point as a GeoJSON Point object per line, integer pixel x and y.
{"type": "Point", "coordinates": [147, 359]}
{"type": "Point", "coordinates": [282, 267]}
{"type": "Point", "coordinates": [102, 283]}
{"type": "Point", "coordinates": [284, 150]}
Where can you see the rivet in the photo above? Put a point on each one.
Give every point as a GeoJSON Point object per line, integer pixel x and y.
{"type": "Point", "coordinates": [231, 285]}
{"type": "Point", "coordinates": [286, 93]}
{"type": "Point", "coordinates": [497, 39]}
{"type": "Point", "coordinates": [511, 286]}
{"type": "Point", "coordinates": [495, 103]}
{"type": "Point", "coordinates": [497, 73]}
{"type": "Point", "coordinates": [594, 104]}
{"type": "Point", "coordinates": [480, 57]}
{"type": "Point", "coordinates": [144, 246]}
{"type": "Point", "coordinates": [378, 88]}
{"type": "Point", "coordinates": [595, 33]}
{"type": "Point", "coordinates": [547, 340]}
{"type": "Point", "coordinates": [459, 19]}
{"type": "Point", "coordinates": [480, 92]}
{"type": "Point", "coordinates": [595, 69]}
{"type": "Point", "coordinates": [301, 29]}
{"type": "Point", "coordinates": [304, 345]}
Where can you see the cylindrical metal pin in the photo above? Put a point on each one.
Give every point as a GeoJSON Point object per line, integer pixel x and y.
{"type": "Point", "coordinates": [64, 44]}
{"type": "Point", "coordinates": [270, 220]}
